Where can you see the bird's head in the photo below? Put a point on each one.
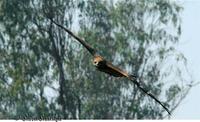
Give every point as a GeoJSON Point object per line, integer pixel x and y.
{"type": "Point", "coordinates": [96, 60]}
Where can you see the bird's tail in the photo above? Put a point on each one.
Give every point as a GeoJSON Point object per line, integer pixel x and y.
{"type": "Point", "coordinates": [134, 79]}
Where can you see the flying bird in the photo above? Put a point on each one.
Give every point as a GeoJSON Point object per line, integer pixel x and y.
{"type": "Point", "coordinates": [107, 67]}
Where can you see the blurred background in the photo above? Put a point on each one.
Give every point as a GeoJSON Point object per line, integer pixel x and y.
{"type": "Point", "coordinates": [46, 74]}
{"type": "Point", "coordinates": [190, 46]}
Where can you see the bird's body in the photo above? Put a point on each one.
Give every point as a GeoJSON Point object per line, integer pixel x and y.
{"type": "Point", "coordinates": [107, 67]}
{"type": "Point", "coordinates": [102, 65]}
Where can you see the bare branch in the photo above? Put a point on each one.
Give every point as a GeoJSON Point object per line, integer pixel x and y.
{"type": "Point", "coordinates": [183, 97]}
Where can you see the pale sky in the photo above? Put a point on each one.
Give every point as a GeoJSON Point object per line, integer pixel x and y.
{"type": "Point", "coordinates": [190, 46]}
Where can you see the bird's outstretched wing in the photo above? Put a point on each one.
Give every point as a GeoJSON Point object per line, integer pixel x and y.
{"type": "Point", "coordinates": [117, 72]}
{"type": "Point", "coordinates": [87, 46]}
{"type": "Point", "coordinates": [134, 80]}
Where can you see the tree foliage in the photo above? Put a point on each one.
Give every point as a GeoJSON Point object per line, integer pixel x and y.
{"type": "Point", "coordinates": [45, 73]}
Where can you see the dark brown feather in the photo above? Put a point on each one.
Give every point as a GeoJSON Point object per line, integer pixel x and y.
{"type": "Point", "coordinates": [87, 46]}
{"type": "Point", "coordinates": [134, 80]}
{"type": "Point", "coordinates": [116, 70]}
{"type": "Point", "coordinates": [109, 68]}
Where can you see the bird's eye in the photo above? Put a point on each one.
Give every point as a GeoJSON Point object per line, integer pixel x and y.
{"type": "Point", "coordinates": [95, 62]}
